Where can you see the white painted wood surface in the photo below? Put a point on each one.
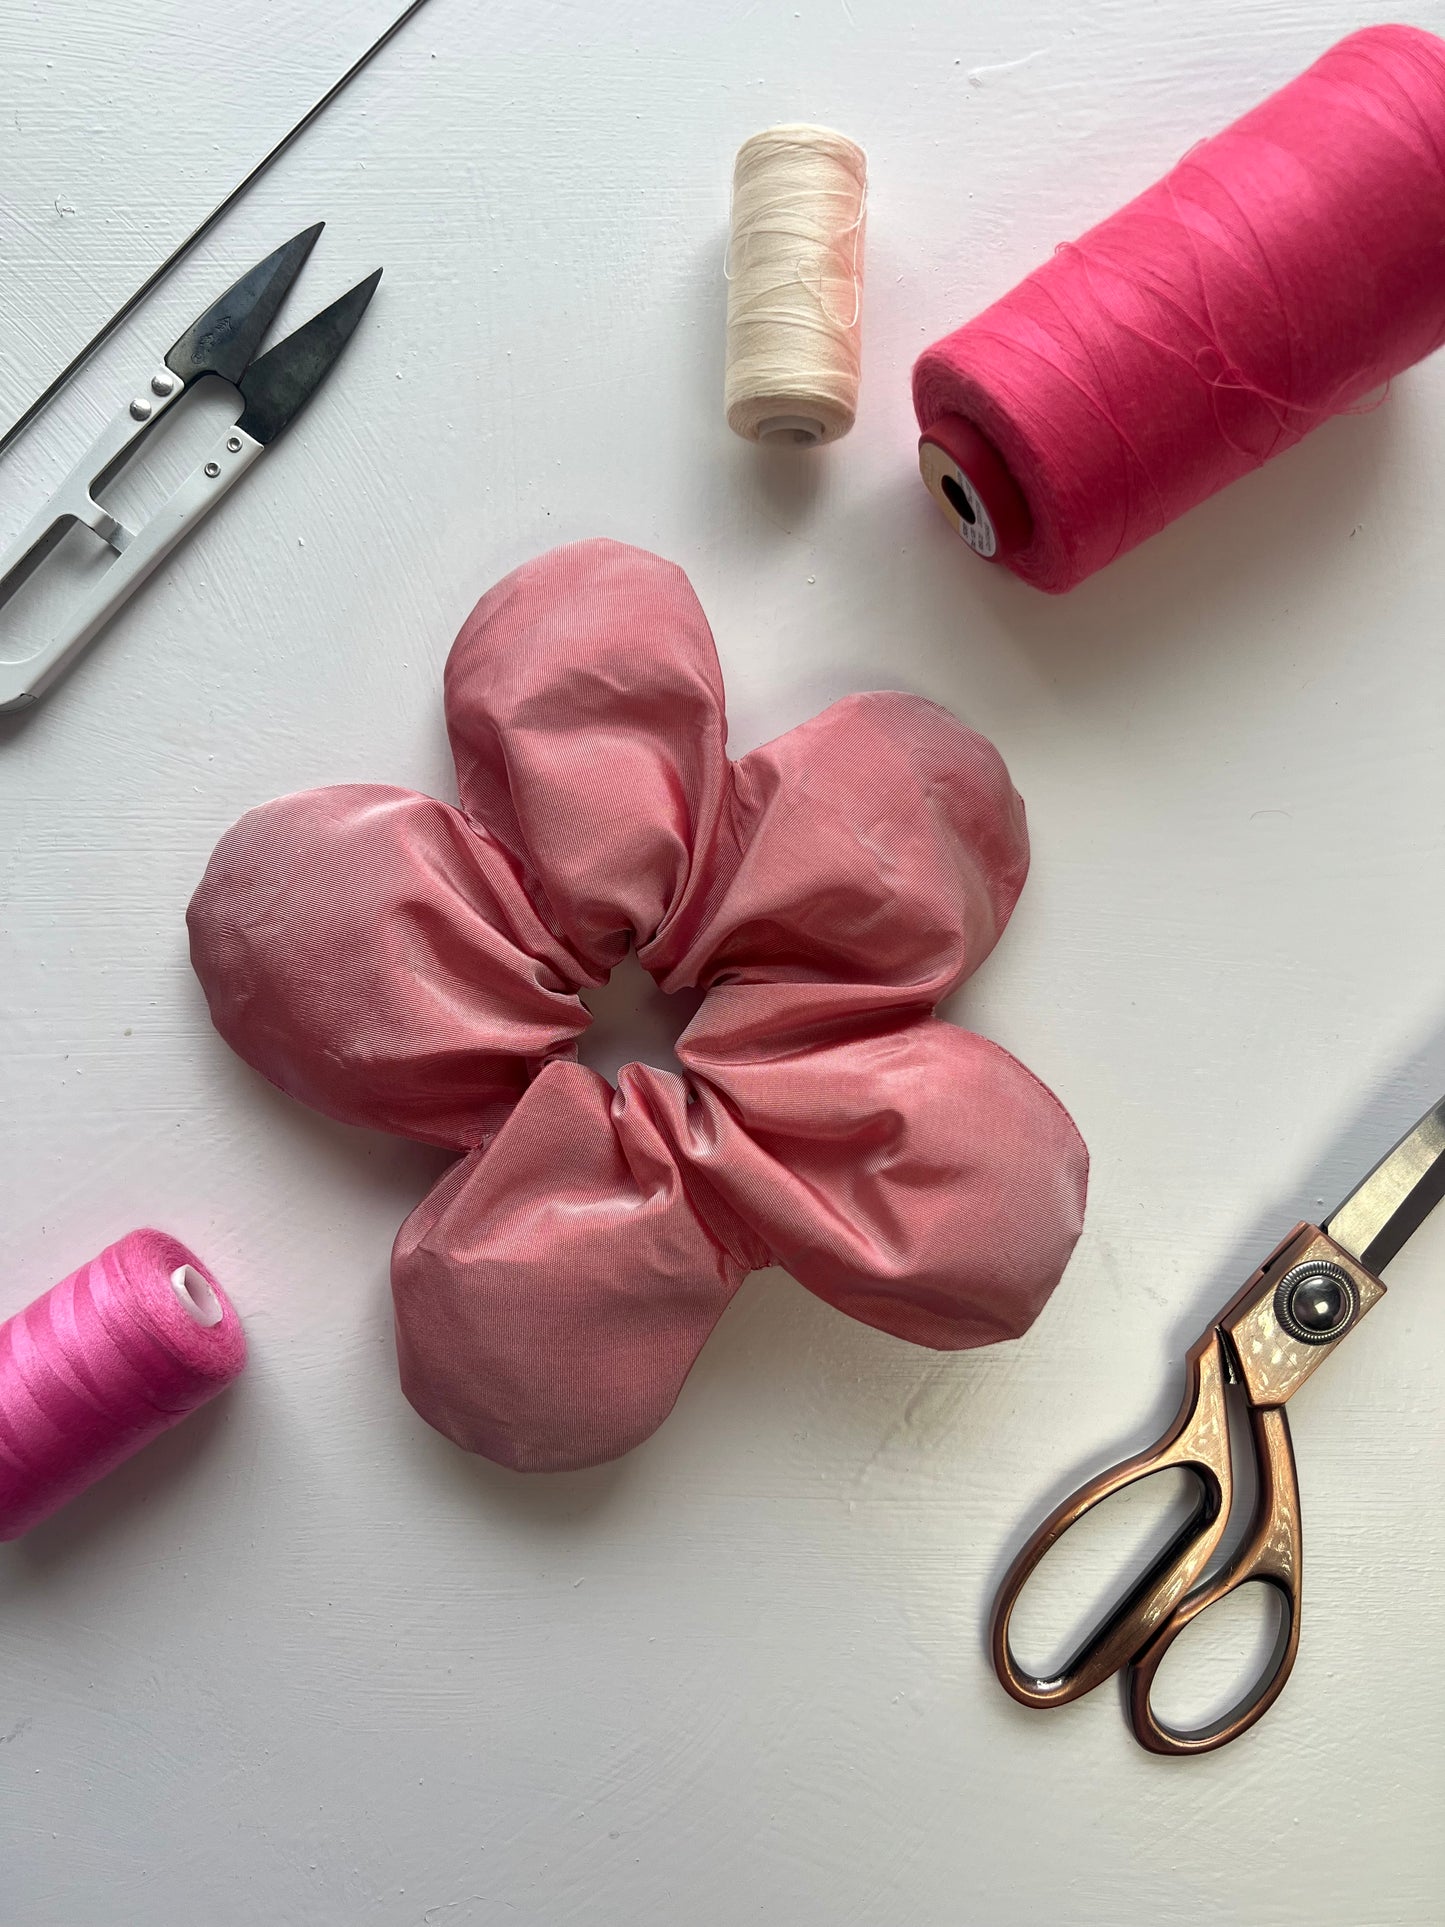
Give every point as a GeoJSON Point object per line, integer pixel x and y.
{"type": "Point", "coordinates": [303, 1662]}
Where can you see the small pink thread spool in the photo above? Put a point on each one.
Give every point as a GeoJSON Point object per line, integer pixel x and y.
{"type": "Point", "coordinates": [1280, 274]}
{"type": "Point", "coordinates": [101, 1364]}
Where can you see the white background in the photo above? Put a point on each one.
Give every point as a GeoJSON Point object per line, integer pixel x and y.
{"type": "Point", "coordinates": [304, 1662]}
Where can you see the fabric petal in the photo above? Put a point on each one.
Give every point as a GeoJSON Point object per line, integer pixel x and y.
{"type": "Point", "coordinates": [554, 1290]}
{"type": "Point", "coordinates": [371, 954]}
{"type": "Point", "coordinates": [880, 843]}
{"type": "Point", "coordinates": [910, 1173]}
{"type": "Point", "coordinates": [585, 708]}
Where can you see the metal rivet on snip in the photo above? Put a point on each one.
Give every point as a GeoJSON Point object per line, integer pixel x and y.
{"type": "Point", "coordinates": [233, 442]}
{"type": "Point", "coordinates": [163, 384]}
{"type": "Point", "coordinates": [140, 409]}
{"type": "Point", "coordinates": [213, 469]}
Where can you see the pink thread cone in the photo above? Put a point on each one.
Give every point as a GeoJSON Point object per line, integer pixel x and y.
{"type": "Point", "coordinates": [1278, 275]}
{"type": "Point", "coordinates": [103, 1363]}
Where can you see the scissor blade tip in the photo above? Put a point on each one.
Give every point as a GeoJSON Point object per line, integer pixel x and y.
{"type": "Point", "coordinates": [352, 304]}
{"type": "Point", "coordinates": [293, 253]}
{"type": "Point", "coordinates": [363, 291]}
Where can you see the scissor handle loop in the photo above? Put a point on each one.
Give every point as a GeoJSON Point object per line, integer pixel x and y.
{"type": "Point", "coordinates": [1198, 1442]}
{"type": "Point", "coordinates": [1270, 1555]}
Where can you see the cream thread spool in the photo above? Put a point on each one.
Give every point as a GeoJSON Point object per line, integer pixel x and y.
{"type": "Point", "coordinates": [795, 285]}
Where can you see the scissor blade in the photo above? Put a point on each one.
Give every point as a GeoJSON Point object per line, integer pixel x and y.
{"type": "Point", "coordinates": [278, 386]}
{"type": "Point", "coordinates": [1392, 1203]}
{"type": "Point", "coordinates": [223, 339]}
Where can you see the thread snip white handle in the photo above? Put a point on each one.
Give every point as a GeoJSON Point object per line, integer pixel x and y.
{"type": "Point", "coordinates": [22, 683]}
{"type": "Point", "coordinates": [795, 286]}
{"type": "Point", "coordinates": [74, 501]}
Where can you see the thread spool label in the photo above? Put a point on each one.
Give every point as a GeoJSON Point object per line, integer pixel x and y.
{"type": "Point", "coordinates": [960, 501]}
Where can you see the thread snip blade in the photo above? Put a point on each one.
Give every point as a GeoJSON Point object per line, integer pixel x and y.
{"type": "Point", "coordinates": [278, 386]}
{"type": "Point", "coordinates": [223, 339]}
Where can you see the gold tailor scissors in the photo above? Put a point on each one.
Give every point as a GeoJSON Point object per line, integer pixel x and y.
{"type": "Point", "coordinates": [1304, 1301]}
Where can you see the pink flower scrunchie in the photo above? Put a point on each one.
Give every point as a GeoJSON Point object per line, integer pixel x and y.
{"type": "Point", "coordinates": [398, 963]}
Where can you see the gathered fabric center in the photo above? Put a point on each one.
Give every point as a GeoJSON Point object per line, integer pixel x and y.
{"type": "Point", "coordinates": [634, 1022]}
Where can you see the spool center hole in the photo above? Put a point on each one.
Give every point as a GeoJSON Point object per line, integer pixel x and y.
{"type": "Point", "coordinates": [198, 1301]}
{"type": "Point", "coordinates": [957, 500]}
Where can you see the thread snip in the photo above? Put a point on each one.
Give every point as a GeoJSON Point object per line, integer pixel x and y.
{"type": "Point", "coordinates": [1280, 274]}
{"type": "Point", "coordinates": [103, 1363]}
{"type": "Point", "coordinates": [795, 286]}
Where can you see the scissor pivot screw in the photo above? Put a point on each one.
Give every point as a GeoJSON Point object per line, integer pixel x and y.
{"type": "Point", "coordinates": [1316, 1301]}
{"type": "Point", "coordinates": [163, 384]}
{"type": "Point", "coordinates": [213, 469]}
{"type": "Point", "coordinates": [140, 409]}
